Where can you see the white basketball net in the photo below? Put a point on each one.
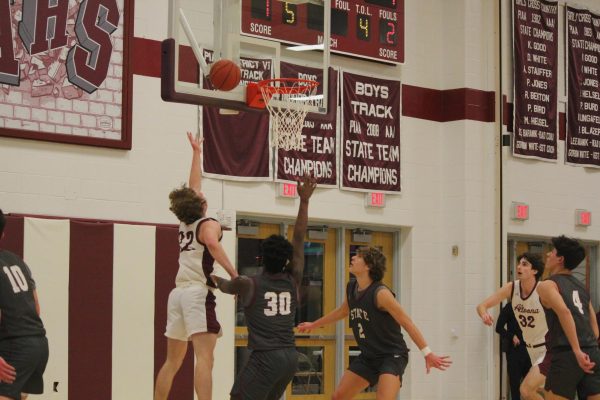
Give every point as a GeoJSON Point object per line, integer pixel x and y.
{"type": "Point", "coordinates": [288, 101]}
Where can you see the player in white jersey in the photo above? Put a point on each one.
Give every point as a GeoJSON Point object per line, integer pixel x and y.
{"type": "Point", "coordinates": [191, 307]}
{"type": "Point", "coordinates": [530, 315]}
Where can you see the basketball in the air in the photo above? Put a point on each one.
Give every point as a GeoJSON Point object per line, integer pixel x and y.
{"type": "Point", "coordinates": [225, 75]}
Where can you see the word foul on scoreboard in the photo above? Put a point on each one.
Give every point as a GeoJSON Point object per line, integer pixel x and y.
{"type": "Point", "coordinates": [364, 28]}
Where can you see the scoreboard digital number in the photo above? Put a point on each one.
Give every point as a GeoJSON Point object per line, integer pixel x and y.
{"type": "Point", "coordinates": [371, 29]}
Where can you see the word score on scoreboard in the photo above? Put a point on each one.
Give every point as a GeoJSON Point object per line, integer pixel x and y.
{"type": "Point", "coordinates": [371, 29]}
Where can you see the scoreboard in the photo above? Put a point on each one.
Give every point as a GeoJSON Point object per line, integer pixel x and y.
{"type": "Point", "coordinates": [372, 29]}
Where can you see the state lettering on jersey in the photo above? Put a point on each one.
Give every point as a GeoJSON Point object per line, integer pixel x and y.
{"type": "Point", "coordinates": [358, 313]}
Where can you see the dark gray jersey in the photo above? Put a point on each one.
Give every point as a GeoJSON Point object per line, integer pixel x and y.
{"type": "Point", "coordinates": [17, 305]}
{"type": "Point", "coordinates": [376, 332]}
{"type": "Point", "coordinates": [271, 313]}
{"type": "Point", "coordinates": [577, 299]}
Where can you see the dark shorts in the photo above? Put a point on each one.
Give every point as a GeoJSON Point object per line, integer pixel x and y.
{"type": "Point", "coordinates": [266, 375]}
{"type": "Point", "coordinates": [565, 377]}
{"type": "Point", "coordinates": [29, 356]}
{"type": "Point", "coordinates": [371, 368]}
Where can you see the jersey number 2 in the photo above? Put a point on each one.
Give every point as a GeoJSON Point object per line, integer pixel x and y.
{"type": "Point", "coordinates": [281, 303]}
{"type": "Point", "coordinates": [16, 278]}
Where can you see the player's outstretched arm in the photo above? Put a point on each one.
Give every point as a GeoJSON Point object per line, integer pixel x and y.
{"type": "Point", "coordinates": [195, 182]}
{"type": "Point", "coordinates": [305, 189]}
{"type": "Point", "coordinates": [337, 314]}
{"type": "Point", "coordinates": [551, 298]}
{"type": "Point", "coordinates": [387, 302]}
{"type": "Point", "coordinates": [7, 372]}
{"type": "Point", "coordinates": [501, 294]}
{"type": "Point", "coordinates": [210, 232]}
{"type": "Point", "coordinates": [242, 285]}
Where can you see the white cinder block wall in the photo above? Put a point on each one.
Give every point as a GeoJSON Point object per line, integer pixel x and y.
{"type": "Point", "coordinates": [450, 194]}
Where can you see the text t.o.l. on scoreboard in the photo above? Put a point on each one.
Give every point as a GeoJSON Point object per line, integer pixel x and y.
{"type": "Point", "coordinates": [371, 29]}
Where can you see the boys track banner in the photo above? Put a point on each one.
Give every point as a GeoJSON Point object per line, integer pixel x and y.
{"type": "Point", "coordinates": [319, 155]}
{"type": "Point", "coordinates": [583, 117]}
{"type": "Point", "coordinates": [236, 147]}
{"type": "Point", "coordinates": [65, 71]}
{"type": "Point", "coordinates": [370, 143]}
{"type": "Point", "coordinates": [535, 32]}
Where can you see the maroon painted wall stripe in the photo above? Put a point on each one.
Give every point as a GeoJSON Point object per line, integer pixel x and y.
{"type": "Point", "coordinates": [167, 256]}
{"type": "Point", "coordinates": [14, 232]}
{"type": "Point", "coordinates": [417, 102]}
{"type": "Point", "coordinates": [562, 126]}
{"type": "Point", "coordinates": [90, 310]}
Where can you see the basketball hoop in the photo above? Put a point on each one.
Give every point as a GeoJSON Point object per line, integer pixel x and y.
{"type": "Point", "coordinates": [288, 101]}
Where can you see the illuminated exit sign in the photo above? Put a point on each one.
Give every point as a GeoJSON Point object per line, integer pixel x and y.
{"type": "Point", "coordinates": [288, 190]}
{"type": "Point", "coordinates": [583, 217]}
{"type": "Point", "coordinates": [375, 199]}
{"type": "Point", "coordinates": [519, 211]}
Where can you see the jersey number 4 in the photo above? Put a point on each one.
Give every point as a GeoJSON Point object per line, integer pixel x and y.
{"type": "Point", "coordinates": [16, 278]}
{"type": "Point", "coordinates": [278, 304]}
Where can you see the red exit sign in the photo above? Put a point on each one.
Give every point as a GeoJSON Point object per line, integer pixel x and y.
{"type": "Point", "coordinates": [583, 217]}
{"type": "Point", "coordinates": [520, 211]}
{"type": "Point", "coordinates": [289, 190]}
{"type": "Point", "coordinates": [375, 199]}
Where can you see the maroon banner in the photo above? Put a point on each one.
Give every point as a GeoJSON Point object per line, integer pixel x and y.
{"type": "Point", "coordinates": [318, 154]}
{"type": "Point", "coordinates": [583, 118]}
{"type": "Point", "coordinates": [371, 134]}
{"type": "Point", "coordinates": [535, 24]}
{"type": "Point", "coordinates": [236, 147]}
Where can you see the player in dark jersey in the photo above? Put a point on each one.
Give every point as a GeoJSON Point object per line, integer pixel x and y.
{"type": "Point", "coordinates": [270, 300]}
{"type": "Point", "coordinates": [191, 312]}
{"type": "Point", "coordinates": [23, 343]}
{"type": "Point", "coordinates": [572, 326]}
{"type": "Point", "coordinates": [376, 319]}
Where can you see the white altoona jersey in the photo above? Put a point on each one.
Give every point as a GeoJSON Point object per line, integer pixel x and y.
{"type": "Point", "coordinates": [195, 261]}
{"type": "Point", "coordinates": [530, 315]}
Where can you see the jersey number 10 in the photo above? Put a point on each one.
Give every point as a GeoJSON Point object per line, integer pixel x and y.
{"type": "Point", "coordinates": [16, 278]}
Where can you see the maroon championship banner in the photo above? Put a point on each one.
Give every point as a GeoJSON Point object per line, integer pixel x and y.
{"type": "Point", "coordinates": [236, 147]}
{"type": "Point", "coordinates": [318, 155]}
{"type": "Point", "coordinates": [583, 116]}
{"type": "Point", "coordinates": [370, 143]}
{"type": "Point", "coordinates": [65, 71]}
{"type": "Point", "coordinates": [535, 31]}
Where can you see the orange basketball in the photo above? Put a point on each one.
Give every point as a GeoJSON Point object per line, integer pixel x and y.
{"type": "Point", "coordinates": [225, 75]}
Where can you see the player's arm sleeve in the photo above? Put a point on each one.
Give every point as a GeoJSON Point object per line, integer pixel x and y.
{"type": "Point", "coordinates": [242, 286]}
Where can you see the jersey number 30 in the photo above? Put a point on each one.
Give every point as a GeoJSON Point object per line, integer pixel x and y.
{"type": "Point", "coordinates": [16, 278]}
{"type": "Point", "coordinates": [278, 304]}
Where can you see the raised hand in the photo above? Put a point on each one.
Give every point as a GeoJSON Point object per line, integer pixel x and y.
{"type": "Point", "coordinates": [439, 362]}
{"type": "Point", "coordinates": [306, 187]}
{"type": "Point", "coordinates": [196, 142]}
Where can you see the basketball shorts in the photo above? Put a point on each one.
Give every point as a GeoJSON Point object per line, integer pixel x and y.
{"type": "Point", "coordinates": [266, 375]}
{"type": "Point", "coordinates": [565, 377]}
{"type": "Point", "coordinates": [29, 356]}
{"type": "Point", "coordinates": [190, 310]}
{"type": "Point", "coordinates": [371, 368]}
{"type": "Point", "coordinates": [536, 353]}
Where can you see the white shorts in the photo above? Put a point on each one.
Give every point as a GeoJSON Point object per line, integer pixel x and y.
{"type": "Point", "coordinates": [191, 310]}
{"type": "Point", "coordinates": [536, 354]}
